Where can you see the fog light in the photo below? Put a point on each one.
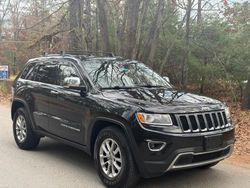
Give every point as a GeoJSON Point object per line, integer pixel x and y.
{"type": "Point", "coordinates": [156, 145]}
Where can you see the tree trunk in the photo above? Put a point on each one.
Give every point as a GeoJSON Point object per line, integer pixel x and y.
{"type": "Point", "coordinates": [199, 12]}
{"type": "Point", "coordinates": [121, 30]}
{"type": "Point", "coordinates": [97, 33]}
{"type": "Point", "coordinates": [165, 60]}
{"type": "Point", "coordinates": [150, 47]}
{"type": "Point", "coordinates": [132, 22]}
{"type": "Point", "coordinates": [75, 22]}
{"type": "Point", "coordinates": [103, 23]}
{"type": "Point", "coordinates": [246, 97]}
{"type": "Point", "coordinates": [203, 78]}
{"type": "Point", "coordinates": [88, 25]}
{"type": "Point", "coordinates": [1, 31]}
{"type": "Point", "coordinates": [141, 31]}
{"type": "Point", "coordinates": [186, 57]}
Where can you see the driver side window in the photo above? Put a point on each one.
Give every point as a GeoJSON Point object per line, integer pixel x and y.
{"type": "Point", "coordinates": [67, 71]}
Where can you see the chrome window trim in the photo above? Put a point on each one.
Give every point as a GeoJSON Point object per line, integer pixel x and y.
{"type": "Point", "coordinates": [59, 63]}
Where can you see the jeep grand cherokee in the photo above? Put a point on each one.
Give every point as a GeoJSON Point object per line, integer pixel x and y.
{"type": "Point", "coordinates": [130, 119]}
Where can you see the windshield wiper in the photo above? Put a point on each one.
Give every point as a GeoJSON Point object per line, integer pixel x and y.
{"type": "Point", "coordinates": [152, 86]}
{"type": "Point", "coordinates": [127, 87]}
{"type": "Point", "coordinates": [117, 87]}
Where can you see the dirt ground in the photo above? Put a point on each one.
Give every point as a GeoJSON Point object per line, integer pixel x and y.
{"type": "Point", "coordinates": [241, 119]}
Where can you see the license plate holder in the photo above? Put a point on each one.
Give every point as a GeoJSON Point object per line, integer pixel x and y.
{"type": "Point", "coordinates": [213, 142]}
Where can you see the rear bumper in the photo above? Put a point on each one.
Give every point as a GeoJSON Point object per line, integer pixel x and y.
{"type": "Point", "coordinates": [181, 151]}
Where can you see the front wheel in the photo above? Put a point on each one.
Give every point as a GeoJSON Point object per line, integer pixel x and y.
{"type": "Point", "coordinates": [24, 136]}
{"type": "Point", "coordinates": [113, 159]}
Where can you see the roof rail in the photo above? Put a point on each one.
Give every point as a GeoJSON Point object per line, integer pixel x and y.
{"type": "Point", "coordinates": [87, 53]}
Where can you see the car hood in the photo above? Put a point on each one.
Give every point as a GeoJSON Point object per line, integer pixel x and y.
{"type": "Point", "coordinates": [163, 100]}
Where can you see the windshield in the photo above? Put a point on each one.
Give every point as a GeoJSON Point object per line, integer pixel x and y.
{"type": "Point", "coordinates": [123, 74]}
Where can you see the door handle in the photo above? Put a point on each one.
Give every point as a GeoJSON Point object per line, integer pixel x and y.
{"type": "Point", "coordinates": [54, 92]}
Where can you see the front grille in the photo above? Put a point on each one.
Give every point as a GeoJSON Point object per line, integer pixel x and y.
{"type": "Point", "coordinates": [201, 122]}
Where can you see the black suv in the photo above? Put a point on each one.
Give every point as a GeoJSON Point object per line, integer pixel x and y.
{"type": "Point", "coordinates": [130, 119]}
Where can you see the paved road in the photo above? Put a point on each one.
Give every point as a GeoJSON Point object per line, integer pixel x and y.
{"type": "Point", "coordinates": [55, 165]}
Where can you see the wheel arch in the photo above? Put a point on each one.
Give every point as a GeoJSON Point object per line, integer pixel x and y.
{"type": "Point", "coordinates": [16, 104]}
{"type": "Point", "coordinates": [19, 103]}
{"type": "Point", "coordinates": [102, 123]}
{"type": "Point", "coordinates": [108, 122]}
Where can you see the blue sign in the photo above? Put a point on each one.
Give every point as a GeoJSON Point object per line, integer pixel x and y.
{"type": "Point", "coordinates": [4, 72]}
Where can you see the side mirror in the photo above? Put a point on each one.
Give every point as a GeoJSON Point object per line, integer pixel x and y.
{"type": "Point", "coordinates": [74, 83]}
{"type": "Point", "coordinates": [166, 78]}
{"type": "Point", "coordinates": [71, 82]}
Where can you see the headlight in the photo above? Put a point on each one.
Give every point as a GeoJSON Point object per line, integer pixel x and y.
{"type": "Point", "coordinates": [228, 115]}
{"type": "Point", "coordinates": [227, 112]}
{"type": "Point", "coordinates": [155, 119]}
{"type": "Point", "coordinates": [158, 122]}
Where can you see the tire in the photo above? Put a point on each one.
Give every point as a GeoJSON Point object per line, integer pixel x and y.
{"type": "Point", "coordinates": [208, 166]}
{"type": "Point", "coordinates": [127, 176]}
{"type": "Point", "coordinates": [25, 137]}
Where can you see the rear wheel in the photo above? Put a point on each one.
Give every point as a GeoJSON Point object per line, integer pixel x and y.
{"type": "Point", "coordinates": [113, 159]}
{"type": "Point", "coordinates": [24, 135]}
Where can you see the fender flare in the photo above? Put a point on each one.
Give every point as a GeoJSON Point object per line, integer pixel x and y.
{"type": "Point", "coordinates": [26, 106]}
{"type": "Point", "coordinates": [128, 134]}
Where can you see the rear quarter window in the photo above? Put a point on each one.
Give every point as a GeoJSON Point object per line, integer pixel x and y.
{"type": "Point", "coordinates": [27, 70]}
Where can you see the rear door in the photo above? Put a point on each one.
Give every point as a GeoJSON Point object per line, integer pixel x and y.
{"type": "Point", "coordinates": [36, 94]}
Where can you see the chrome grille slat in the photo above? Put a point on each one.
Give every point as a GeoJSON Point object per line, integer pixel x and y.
{"type": "Point", "coordinates": [205, 119]}
{"type": "Point", "coordinates": [223, 121]}
{"type": "Point", "coordinates": [195, 126]}
{"type": "Point", "coordinates": [189, 123]}
{"type": "Point", "coordinates": [201, 122]}
{"type": "Point", "coordinates": [212, 120]}
{"type": "Point", "coordinates": [196, 118]}
{"type": "Point", "coordinates": [218, 120]}
{"type": "Point", "coordinates": [180, 124]}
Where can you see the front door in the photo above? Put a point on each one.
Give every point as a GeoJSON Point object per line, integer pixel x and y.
{"type": "Point", "coordinates": [66, 106]}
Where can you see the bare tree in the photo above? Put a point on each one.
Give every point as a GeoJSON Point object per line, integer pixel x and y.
{"type": "Point", "coordinates": [5, 5]}
{"type": "Point", "coordinates": [75, 22]}
{"type": "Point", "coordinates": [88, 25]}
{"type": "Point", "coordinates": [141, 28]}
{"type": "Point", "coordinates": [132, 22]}
{"type": "Point", "coordinates": [199, 10]}
{"type": "Point", "coordinates": [150, 46]}
{"type": "Point", "coordinates": [187, 39]}
{"type": "Point", "coordinates": [103, 23]}
{"type": "Point", "coordinates": [121, 30]}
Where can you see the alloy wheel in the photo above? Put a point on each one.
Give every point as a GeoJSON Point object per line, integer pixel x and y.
{"type": "Point", "coordinates": [21, 129]}
{"type": "Point", "coordinates": [110, 158]}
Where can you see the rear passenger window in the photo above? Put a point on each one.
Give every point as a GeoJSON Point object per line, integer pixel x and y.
{"type": "Point", "coordinates": [27, 70]}
{"type": "Point", "coordinates": [31, 75]}
{"type": "Point", "coordinates": [48, 73]}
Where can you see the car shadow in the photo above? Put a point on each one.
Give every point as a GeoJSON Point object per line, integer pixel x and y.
{"type": "Point", "coordinates": [180, 179]}
{"type": "Point", "coordinates": [66, 154]}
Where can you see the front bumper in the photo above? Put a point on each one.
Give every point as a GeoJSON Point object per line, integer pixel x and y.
{"type": "Point", "coordinates": [181, 151]}
{"type": "Point", "coordinates": [192, 160]}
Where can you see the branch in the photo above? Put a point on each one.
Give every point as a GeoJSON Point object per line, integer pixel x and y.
{"type": "Point", "coordinates": [47, 17]}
